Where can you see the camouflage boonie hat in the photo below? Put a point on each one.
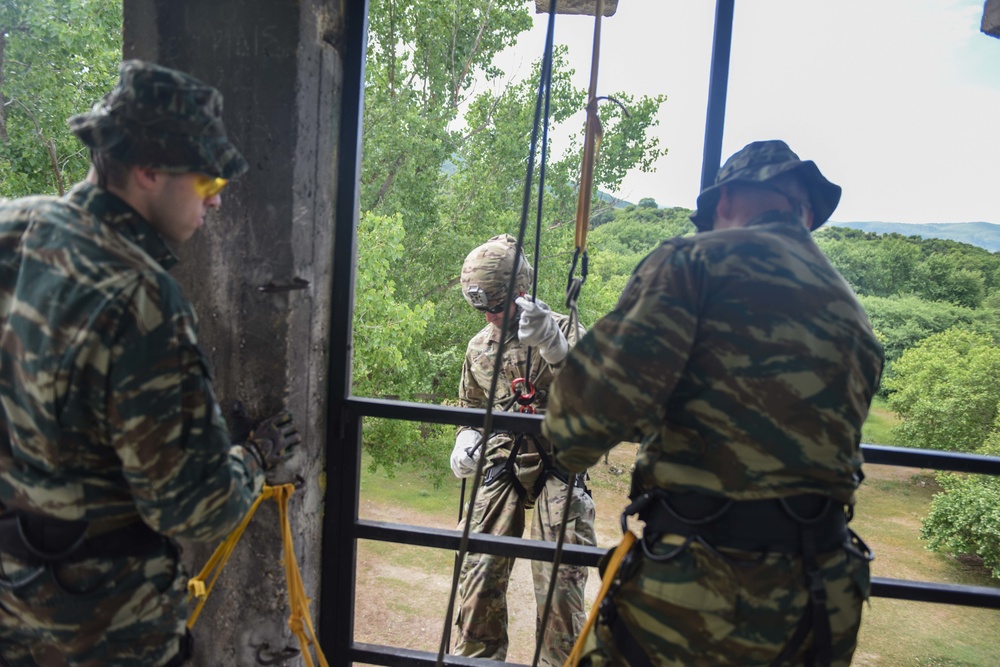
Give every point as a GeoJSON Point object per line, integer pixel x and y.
{"type": "Point", "coordinates": [161, 118]}
{"type": "Point", "coordinates": [487, 270]}
{"type": "Point", "coordinates": [759, 162]}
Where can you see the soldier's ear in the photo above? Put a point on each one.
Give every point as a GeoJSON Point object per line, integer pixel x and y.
{"type": "Point", "coordinates": [145, 178]}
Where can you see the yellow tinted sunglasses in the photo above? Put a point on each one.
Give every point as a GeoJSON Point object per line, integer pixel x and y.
{"type": "Point", "coordinates": [208, 186]}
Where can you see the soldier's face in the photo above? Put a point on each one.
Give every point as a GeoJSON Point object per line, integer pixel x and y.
{"type": "Point", "coordinates": [496, 319]}
{"type": "Point", "coordinates": [179, 207]}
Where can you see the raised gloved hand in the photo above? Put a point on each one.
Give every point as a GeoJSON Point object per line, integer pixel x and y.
{"type": "Point", "coordinates": [466, 454]}
{"type": "Point", "coordinates": [273, 439]}
{"type": "Point", "coordinates": [537, 329]}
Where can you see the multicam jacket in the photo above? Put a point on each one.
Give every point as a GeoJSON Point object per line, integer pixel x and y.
{"type": "Point", "coordinates": [477, 371]}
{"type": "Point", "coordinates": [107, 404]}
{"type": "Point", "coordinates": [740, 359]}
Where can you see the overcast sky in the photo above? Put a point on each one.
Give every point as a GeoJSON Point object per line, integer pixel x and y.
{"type": "Point", "coordinates": [898, 101]}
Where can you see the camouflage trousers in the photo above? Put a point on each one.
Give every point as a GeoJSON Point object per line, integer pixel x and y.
{"type": "Point", "coordinates": [702, 608]}
{"type": "Point", "coordinates": [482, 614]}
{"type": "Point", "coordinates": [121, 612]}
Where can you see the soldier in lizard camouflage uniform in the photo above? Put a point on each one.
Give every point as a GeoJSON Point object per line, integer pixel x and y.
{"type": "Point", "coordinates": [518, 474]}
{"type": "Point", "coordinates": [745, 366]}
{"type": "Point", "coordinates": [111, 441]}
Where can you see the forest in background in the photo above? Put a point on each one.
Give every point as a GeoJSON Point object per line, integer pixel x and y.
{"type": "Point", "coordinates": [445, 144]}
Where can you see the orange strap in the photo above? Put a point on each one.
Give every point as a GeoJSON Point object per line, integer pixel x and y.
{"type": "Point", "coordinates": [591, 141]}
{"type": "Point", "coordinates": [299, 619]}
{"type": "Point", "coordinates": [628, 539]}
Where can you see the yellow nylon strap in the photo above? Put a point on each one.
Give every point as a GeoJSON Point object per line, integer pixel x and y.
{"type": "Point", "coordinates": [628, 539]}
{"type": "Point", "coordinates": [299, 619]}
{"type": "Point", "coordinates": [591, 142]}
{"type": "Point", "coordinates": [196, 585]}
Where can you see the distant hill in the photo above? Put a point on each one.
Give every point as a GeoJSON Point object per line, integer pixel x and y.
{"type": "Point", "coordinates": [982, 234]}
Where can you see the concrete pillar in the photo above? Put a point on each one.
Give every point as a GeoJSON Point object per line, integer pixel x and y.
{"type": "Point", "coordinates": [259, 271]}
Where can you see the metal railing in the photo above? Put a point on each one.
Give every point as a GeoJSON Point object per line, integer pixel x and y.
{"type": "Point", "coordinates": [341, 526]}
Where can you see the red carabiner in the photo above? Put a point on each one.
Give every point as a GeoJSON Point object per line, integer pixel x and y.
{"type": "Point", "coordinates": [525, 398]}
{"type": "Point", "coordinates": [527, 409]}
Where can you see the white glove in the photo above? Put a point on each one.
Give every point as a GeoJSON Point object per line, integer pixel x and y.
{"type": "Point", "coordinates": [538, 330]}
{"type": "Point", "coordinates": [463, 459]}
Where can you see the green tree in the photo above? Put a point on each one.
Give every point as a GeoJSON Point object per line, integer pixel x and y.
{"type": "Point", "coordinates": [965, 517]}
{"type": "Point", "coordinates": [387, 338]}
{"type": "Point", "coordinates": [56, 58]}
{"type": "Point", "coordinates": [945, 391]}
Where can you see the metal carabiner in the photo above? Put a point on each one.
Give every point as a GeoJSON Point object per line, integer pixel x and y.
{"type": "Point", "coordinates": [524, 398]}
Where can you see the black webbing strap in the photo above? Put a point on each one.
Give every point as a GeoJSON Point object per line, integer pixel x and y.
{"type": "Point", "coordinates": [816, 616]}
{"type": "Point", "coordinates": [38, 540]}
{"type": "Point", "coordinates": [625, 642]}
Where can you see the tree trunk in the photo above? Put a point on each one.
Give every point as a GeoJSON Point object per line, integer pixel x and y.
{"type": "Point", "coordinates": [259, 271]}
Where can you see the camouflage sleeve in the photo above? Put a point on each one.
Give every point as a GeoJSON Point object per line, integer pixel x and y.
{"type": "Point", "coordinates": [617, 380]}
{"type": "Point", "coordinates": [186, 478]}
{"type": "Point", "coordinates": [470, 394]}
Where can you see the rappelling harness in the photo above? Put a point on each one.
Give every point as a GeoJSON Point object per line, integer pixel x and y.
{"type": "Point", "coordinates": [805, 526]}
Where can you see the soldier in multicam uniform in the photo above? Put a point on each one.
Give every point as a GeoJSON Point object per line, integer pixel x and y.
{"type": "Point", "coordinates": [111, 441]}
{"type": "Point", "coordinates": [745, 366]}
{"type": "Point", "coordinates": [518, 474]}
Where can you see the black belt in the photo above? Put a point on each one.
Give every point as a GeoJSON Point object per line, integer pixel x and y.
{"type": "Point", "coordinates": [805, 525]}
{"type": "Point", "coordinates": [40, 540]}
{"type": "Point", "coordinates": [792, 525]}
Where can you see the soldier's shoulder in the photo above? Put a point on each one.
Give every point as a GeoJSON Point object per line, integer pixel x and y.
{"type": "Point", "coordinates": [35, 205]}
{"type": "Point", "coordinates": [481, 340]}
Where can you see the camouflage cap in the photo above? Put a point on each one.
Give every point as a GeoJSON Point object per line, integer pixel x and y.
{"type": "Point", "coordinates": [161, 118]}
{"type": "Point", "coordinates": [488, 269]}
{"type": "Point", "coordinates": [759, 162]}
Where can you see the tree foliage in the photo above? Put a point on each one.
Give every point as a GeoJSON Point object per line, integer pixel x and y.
{"type": "Point", "coordinates": [56, 58]}
{"type": "Point", "coordinates": [965, 517]}
{"type": "Point", "coordinates": [945, 391]}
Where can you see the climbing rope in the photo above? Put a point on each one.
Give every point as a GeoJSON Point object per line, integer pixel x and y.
{"type": "Point", "coordinates": [299, 619]}
{"type": "Point", "coordinates": [610, 573]}
{"type": "Point", "coordinates": [545, 80]}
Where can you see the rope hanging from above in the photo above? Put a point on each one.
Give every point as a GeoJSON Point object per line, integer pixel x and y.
{"type": "Point", "coordinates": [545, 79]}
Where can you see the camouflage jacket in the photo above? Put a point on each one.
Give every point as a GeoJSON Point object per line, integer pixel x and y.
{"type": "Point", "coordinates": [477, 372]}
{"type": "Point", "coordinates": [107, 404]}
{"type": "Point", "coordinates": [740, 359]}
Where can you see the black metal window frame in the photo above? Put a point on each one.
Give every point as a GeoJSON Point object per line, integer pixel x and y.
{"type": "Point", "coordinates": [341, 526]}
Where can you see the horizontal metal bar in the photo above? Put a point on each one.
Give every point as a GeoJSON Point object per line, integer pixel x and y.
{"type": "Point", "coordinates": [926, 591]}
{"type": "Point", "coordinates": [525, 423]}
{"type": "Point", "coordinates": [932, 459]}
{"type": "Point", "coordinates": [375, 654]}
{"type": "Point", "coordinates": [573, 554]}
{"type": "Point", "coordinates": [443, 414]}
{"type": "Point", "coordinates": [497, 545]}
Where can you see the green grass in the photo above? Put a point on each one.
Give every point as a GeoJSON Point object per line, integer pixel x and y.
{"type": "Point", "coordinates": [877, 429]}
{"type": "Point", "coordinates": [891, 505]}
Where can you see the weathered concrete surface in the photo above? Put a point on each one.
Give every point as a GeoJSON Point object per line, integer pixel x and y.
{"type": "Point", "coordinates": [275, 62]}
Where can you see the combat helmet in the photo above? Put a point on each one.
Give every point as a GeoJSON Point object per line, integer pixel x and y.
{"type": "Point", "coordinates": [487, 270]}
{"type": "Point", "coordinates": [759, 162]}
{"type": "Point", "coordinates": [161, 118]}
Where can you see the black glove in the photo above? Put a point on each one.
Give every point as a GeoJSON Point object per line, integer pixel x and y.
{"type": "Point", "coordinates": [273, 440]}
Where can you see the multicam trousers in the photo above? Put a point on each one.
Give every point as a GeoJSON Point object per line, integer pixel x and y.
{"type": "Point", "coordinates": [482, 612]}
{"type": "Point", "coordinates": [700, 608]}
{"type": "Point", "coordinates": [122, 612]}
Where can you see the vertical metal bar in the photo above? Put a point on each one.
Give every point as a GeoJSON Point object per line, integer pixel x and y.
{"type": "Point", "coordinates": [718, 86]}
{"type": "Point", "coordinates": [343, 435]}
